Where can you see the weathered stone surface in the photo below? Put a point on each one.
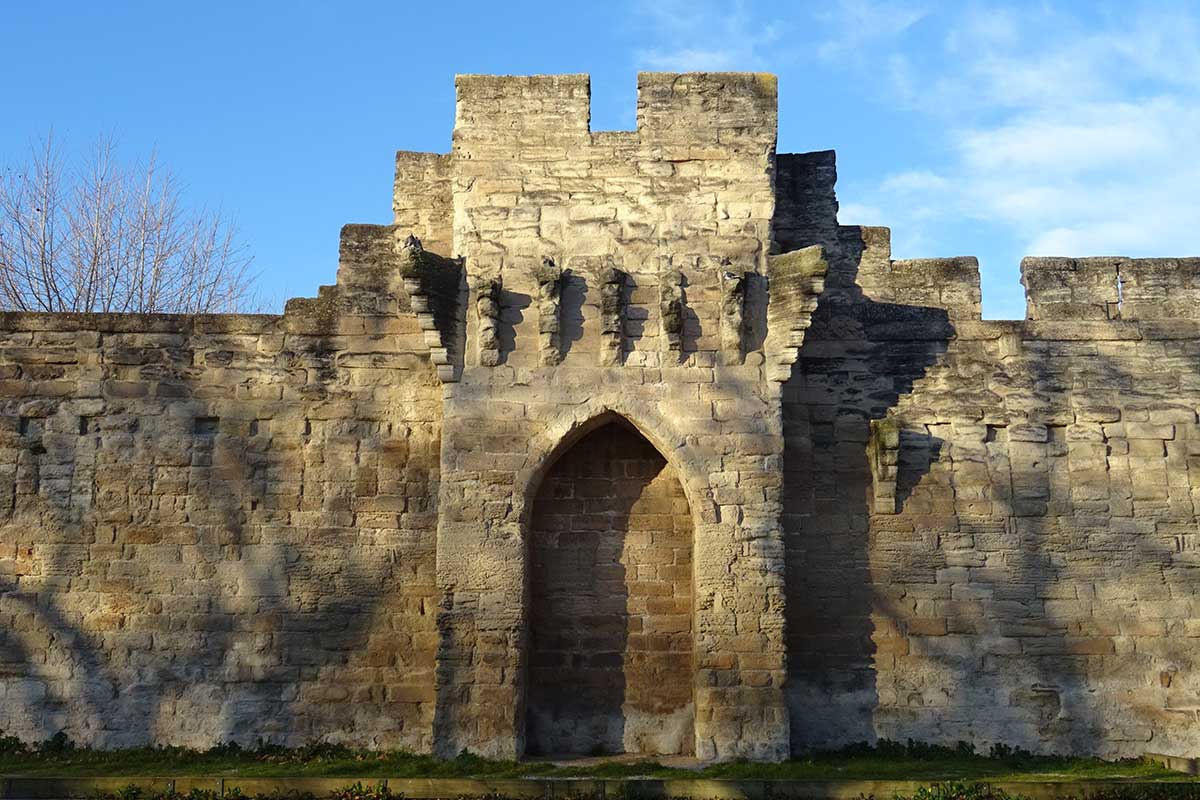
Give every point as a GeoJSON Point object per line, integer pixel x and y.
{"type": "Point", "coordinates": [621, 421]}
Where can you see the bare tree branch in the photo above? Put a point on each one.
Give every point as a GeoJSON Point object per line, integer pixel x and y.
{"type": "Point", "coordinates": [97, 235]}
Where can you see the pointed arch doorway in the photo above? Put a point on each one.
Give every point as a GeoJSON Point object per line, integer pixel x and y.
{"type": "Point", "coordinates": [610, 659]}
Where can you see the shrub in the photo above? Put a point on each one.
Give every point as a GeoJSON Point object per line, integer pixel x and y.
{"type": "Point", "coordinates": [963, 791]}
{"type": "Point", "coordinates": [11, 745]}
{"type": "Point", "coordinates": [357, 791]}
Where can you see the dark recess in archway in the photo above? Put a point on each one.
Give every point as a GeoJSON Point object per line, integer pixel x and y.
{"type": "Point", "coordinates": [610, 660]}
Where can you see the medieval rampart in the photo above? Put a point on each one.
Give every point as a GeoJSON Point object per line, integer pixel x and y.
{"type": "Point", "coordinates": [614, 441]}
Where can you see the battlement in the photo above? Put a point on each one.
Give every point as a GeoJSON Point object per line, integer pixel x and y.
{"type": "Point", "coordinates": [513, 105]}
{"type": "Point", "coordinates": [731, 109]}
{"type": "Point", "coordinates": [675, 205]}
{"type": "Point", "coordinates": [1111, 288]}
{"type": "Point", "coordinates": [422, 199]}
{"type": "Point", "coordinates": [806, 205]}
{"type": "Point", "coordinates": [1160, 288]}
{"type": "Point", "coordinates": [530, 138]}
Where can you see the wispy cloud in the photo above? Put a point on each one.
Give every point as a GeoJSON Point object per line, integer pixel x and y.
{"type": "Point", "coordinates": [852, 25]}
{"type": "Point", "coordinates": [704, 36]}
{"type": "Point", "coordinates": [714, 35]}
{"type": "Point", "coordinates": [1076, 136]}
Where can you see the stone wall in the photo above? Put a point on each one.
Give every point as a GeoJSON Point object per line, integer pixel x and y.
{"type": "Point", "coordinates": [1029, 576]}
{"type": "Point", "coordinates": [219, 528]}
{"type": "Point", "coordinates": [364, 520]}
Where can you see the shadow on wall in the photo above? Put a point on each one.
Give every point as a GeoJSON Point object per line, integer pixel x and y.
{"type": "Point", "coordinates": [1062, 618]}
{"type": "Point", "coordinates": [573, 296]}
{"type": "Point", "coordinates": [1034, 589]}
{"type": "Point", "coordinates": [225, 578]}
{"type": "Point", "coordinates": [858, 358]}
{"type": "Point", "coordinates": [513, 307]}
{"type": "Point", "coordinates": [610, 645]}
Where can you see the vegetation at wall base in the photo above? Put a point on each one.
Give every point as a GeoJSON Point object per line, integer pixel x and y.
{"type": "Point", "coordinates": [355, 791]}
{"type": "Point", "coordinates": [59, 757]}
{"type": "Point", "coordinates": [959, 790]}
{"type": "Point", "coordinates": [938, 791]}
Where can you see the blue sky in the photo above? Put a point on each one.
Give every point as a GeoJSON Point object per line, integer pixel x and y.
{"type": "Point", "coordinates": [969, 128]}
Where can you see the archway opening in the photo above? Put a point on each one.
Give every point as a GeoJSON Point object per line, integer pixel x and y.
{"type": "Point", "coordinates": [611, 648]}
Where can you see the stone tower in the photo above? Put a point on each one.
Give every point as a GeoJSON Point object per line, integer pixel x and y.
{"type": "Point", "coordinates": [623, 275]}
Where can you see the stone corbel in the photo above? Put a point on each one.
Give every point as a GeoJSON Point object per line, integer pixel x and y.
{"type": "Point", "coordinates": [883, 456]}
{"type": "Point", "coordinates": [795, 282]}
{"type": "Point", "coordinates": [487, 310]}
{"type": "Point", "coordinates": [549, 286]}
{"type": "Point", "coordinates": [733, 311]}
{"type": "Point", "coordinates": [431, 283]}
{"type": "Point", "coordinates": [612, 316]}
{"type": "Point", "coordinates": [671, 309]}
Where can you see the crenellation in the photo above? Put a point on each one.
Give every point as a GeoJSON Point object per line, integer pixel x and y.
{"type": "Point", "coordinates": [527, 110]}
{"type": "Point", "coordinates": [948, 283]}
{"type": "Point", "coordinates": [613, 441]}
{"type": "Point", "coordinates": [1113, 288]}
{"type": "Point", "coordinates": [701, 114]}
{"type": "Point", "coordinates": [1072, 288]}
{"type": "Point", "coordinates": [864, 268]}
{"type": "Point", "coordinates": [422, 199]}
{"type": "Point", "coordinates": [806, 205]}
{"type": "Point", "coordinates": [366, 259]}
{"type": "Point", "coordinates": [1159, 288]}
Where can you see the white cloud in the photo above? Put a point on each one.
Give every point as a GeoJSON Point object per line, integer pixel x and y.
{"type": "Point", "coordinates": [1096, 137]}
{"type": "Point", "coordinates": [1076, 137]}
{"type": "Point", "coordinates": [916, 181]}
{"type": "Point", "coordinates": [996, 26]}
{"type": "Point", "coordinates": [861, 214]}
{"type": "Point", "coordinates": [704, 36]}
{"type": "Point", "coordinates": [852, 25]}
{"type": "Point", "coordinates": [690, 60]}
{"type": "Point", "coordinates": [1072, 241]}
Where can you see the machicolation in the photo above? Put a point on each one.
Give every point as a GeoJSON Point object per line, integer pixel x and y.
{"type": "Point", "coordinates": [614, 442]}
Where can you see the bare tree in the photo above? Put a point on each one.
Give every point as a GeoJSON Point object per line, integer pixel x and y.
{"type": "Point", "coordinates": [97, 235]}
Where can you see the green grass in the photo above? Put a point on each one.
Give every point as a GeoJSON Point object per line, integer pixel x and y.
{"type": "Point", "coordinates": [859, 765]}
{"type": "Point", "coordinates": [885, 761]}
